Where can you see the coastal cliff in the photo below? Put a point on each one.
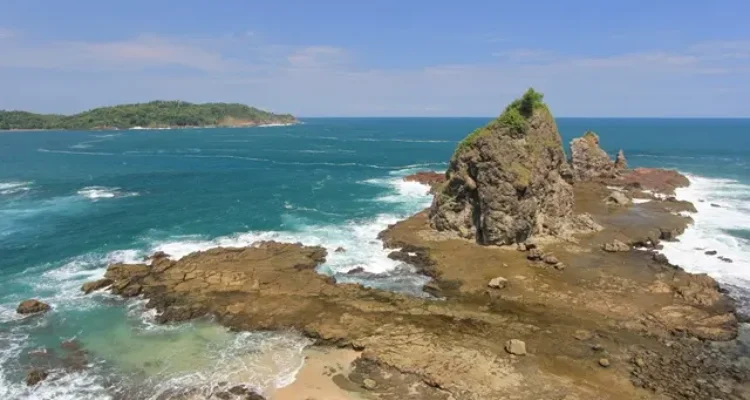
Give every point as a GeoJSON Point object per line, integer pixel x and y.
{"type": "Point", "coordinates": [568, 313]}
{"type": "Point", "coordinates": [155, 114]}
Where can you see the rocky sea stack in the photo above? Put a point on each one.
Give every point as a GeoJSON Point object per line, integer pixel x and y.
{"type": "Point", "coordinates": [591, 162]}
{"type": "Point", "coordinates": [504, 183]}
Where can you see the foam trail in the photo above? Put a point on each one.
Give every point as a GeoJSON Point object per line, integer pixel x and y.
{"type": "Point", "coordinates": [102, 192]}
{"type": "Point", "coordinates": [7, 188]}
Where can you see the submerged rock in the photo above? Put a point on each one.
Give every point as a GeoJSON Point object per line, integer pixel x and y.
{"type": "Point", "coordinates": [503, 183]}
{"type": "Point", "coordinates": [32, 306]}
{"type": "Point", "coordinates": [589, 161]}
{"type": "Point", "coordinates": [654, 179]}
{"type": "Point", "coordinates": [35, 376]}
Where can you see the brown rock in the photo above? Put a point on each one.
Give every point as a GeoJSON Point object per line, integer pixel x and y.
{"type": "Point", "coordinates": [32, 306]}
{"type": "Point", "coordinates": [654, 179]}
{"type": "Point", "coordinates": [615, 246]}
{"type": "Point", "coordinates": [498, 283]}
{"type": "Point", "coordinates": [535, 255]}
{"type": "Point", "coordinates": [589, 161]}
{"type": "Point", "coordinates": [516, 347]}
{"type": "Point", "coordinates": [551, 260]}
{"type": "Point", "coordinates": [603, 362]}
{"type": "Point", "coordinates": [89, 287]}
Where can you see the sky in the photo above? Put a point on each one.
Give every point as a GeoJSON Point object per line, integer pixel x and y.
{"type": "Point", "coordinates": [615, 58]}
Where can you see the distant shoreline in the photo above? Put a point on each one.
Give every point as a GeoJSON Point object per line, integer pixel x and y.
{"type": "Point", "coordinates": [141, 128]}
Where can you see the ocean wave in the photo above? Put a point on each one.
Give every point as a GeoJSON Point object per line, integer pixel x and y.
{"type": "Point", "coordinates": [83, 153]}
{"type": "Point", "coordinates": [8, 188]}
{"type": "Point", "coordinates": [102, 192]}
{"type": "Point", "coordinates": [720, 204]}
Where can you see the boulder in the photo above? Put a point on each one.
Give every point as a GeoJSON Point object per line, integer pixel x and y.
{"type": "Point", "coordinates": [89, 287]}
{"type": "Point", "coordinates": [516, 347]}
{"type": "Point", "coordinates": [551, 260]}
{"type": "Point", "coordinates": [32, 306]}
{"type": "Point", "coordinates": [715, 205]}
{"type": "Point", "coordinates": [36, 375]}
{"type": "Point", "coordinates": [620, 162]}
{"type": "Point", "coordinates": [604, 363]}
{"type": "Point", "coordinates": [711, 252]}
{"type": "Point", "coordinates": [498, 283]}
{"type": "Point", "coordinates": [535, 255]}
{"type": "Point", "coordinates": [618, 198]}
{"type": "Point", "coordinates": [369, 384]}
{"type": "Point", "coordinates": [340, 250]}
{"type": "Point", "coordinates": [615, 246]}
{"type": "Point", "coordinates": [503, 182]}
{"type": "Point", "coordinates": [589, 161]}
{"type": "Point", "coordinates": [726, 259]}
{"type": "Point", "coordinates": [356, 270]}
{"type": "Point", "coordinates": [660, 258]}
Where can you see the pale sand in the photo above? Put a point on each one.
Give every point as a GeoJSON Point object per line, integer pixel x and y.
{"type": "Point", "coordinates": [314, 381]}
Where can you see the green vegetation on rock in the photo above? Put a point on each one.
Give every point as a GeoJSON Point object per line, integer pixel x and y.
{"type": "Point", "coordinates": [515, 118]}
{"type": "Point", "coordinates": [155, 114]}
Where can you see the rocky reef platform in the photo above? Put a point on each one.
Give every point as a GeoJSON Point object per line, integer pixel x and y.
{"type": "Point", "coordinates": [572, 302]}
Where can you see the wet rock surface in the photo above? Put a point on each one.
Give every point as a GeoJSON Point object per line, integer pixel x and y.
{"type": "Point", "coordinates": [32, 306]}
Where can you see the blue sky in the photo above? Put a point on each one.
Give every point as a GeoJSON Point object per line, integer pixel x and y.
{"type": "Point", "coordinates": [375, 58]}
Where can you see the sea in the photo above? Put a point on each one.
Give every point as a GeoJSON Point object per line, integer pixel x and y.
{"type": "Point", "coordinates": [73, 202]}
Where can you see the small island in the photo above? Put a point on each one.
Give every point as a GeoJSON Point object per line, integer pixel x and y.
{"type": "Point", "coordinates": [151, 115]}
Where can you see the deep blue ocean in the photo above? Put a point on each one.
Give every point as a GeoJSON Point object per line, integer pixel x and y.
{"type": "Point", "coordinates": [72, 202]}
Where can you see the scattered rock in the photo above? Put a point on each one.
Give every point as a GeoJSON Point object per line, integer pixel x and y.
{"type": "Point", "coordinates": [715, 205]}
{"type": "Point", "coordinates": [560, 266]}
{"type": "Point", "coordinates": [535, 255]}
{"type": "Point", "coordinates": [726, 259]}
{"type": "Point", "coordinates": [618, 198]}
{"type": "Point", "coordinates": [615, 246]}
{"type": "Point", "coordinates": [670, 234]}
{"type": "Point", "coordinates": [604, 362]}
{"type": "Point", "coordinates": [504, 181]}
{"type": "Point", "coordinates": [583, 334]}
{"type": "Point", "coordinates": [89, 287]}
{"type": "Point", "coordinates": [36, 375]}
{"type": "Point", "coordinates": [589, 161]}
{"type": "Point", "coordinates": [530, 244]}
{"type": "Point", "coordinates": [521, 247]}
{"type": "Point", "coordinates": [551, 260]}
{"type": "Point", "coordinates": [516, 347]}
{"type": "Point", "coordinates": [354, 271]}
{"type": "Point", "coordinates": [711, 252]}
{"type": "Point", "coordinates": [596, 347]}
{"type": "Point", "coordinates": [498, 283]}
{"type": "Point", "coordinates": [369, 384]}
{"type": "Point", "coordinates": [340, 250]}
{"type": "Point", "coordinates": [32, 306]}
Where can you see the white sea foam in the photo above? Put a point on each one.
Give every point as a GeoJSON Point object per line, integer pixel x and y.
{"type": "Point", "coordinates": [712, 230]}
{"type": "Point", "coordinates": [102, 192]}
{"type": "Point", "coordinates": [7, 188]}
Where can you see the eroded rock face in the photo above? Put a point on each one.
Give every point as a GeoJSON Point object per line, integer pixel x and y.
{"type": "Point", "coordinates": [590, 162]}
{"type": "Point", "coordinates": [504, 186]}
{"type": "Point", "coordinates": [620, 162]}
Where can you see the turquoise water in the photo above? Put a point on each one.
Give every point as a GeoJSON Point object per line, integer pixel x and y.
{"type": "Point", "coordinates": [72, 202]}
